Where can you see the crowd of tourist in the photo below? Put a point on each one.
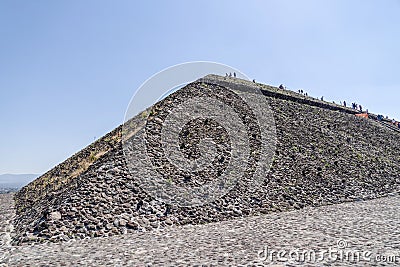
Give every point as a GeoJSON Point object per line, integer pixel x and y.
{"type": "Point", "coordinates": [230, 74]}
{"type": "Point", "coordinates": [354, 105]}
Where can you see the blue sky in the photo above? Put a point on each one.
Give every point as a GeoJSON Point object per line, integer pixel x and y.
{"type": "Point", "coordinates": [68, 69]}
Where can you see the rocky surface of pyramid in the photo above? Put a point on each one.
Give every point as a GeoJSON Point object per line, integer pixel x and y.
{"type": "Point", "coordinates": [324, 155]}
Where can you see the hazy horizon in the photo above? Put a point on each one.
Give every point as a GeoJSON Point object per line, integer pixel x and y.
{"type": "Point", "coordinates": [16, 180]}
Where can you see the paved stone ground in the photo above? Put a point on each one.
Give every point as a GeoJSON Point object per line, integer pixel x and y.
{"type": "Point", "coordinates": [369, 226]}
{"type": "Point", "coordinates": [6, 228]}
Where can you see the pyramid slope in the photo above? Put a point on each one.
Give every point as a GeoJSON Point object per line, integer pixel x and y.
{"type": "Point", "coordinates": [324, 155]}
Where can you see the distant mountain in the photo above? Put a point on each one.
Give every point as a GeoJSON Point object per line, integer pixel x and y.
{"type": "Point", "coordinates": [16, 180]}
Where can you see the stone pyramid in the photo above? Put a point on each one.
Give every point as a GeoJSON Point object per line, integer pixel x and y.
{"type": "Point", "coordinates": [321, 154]}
